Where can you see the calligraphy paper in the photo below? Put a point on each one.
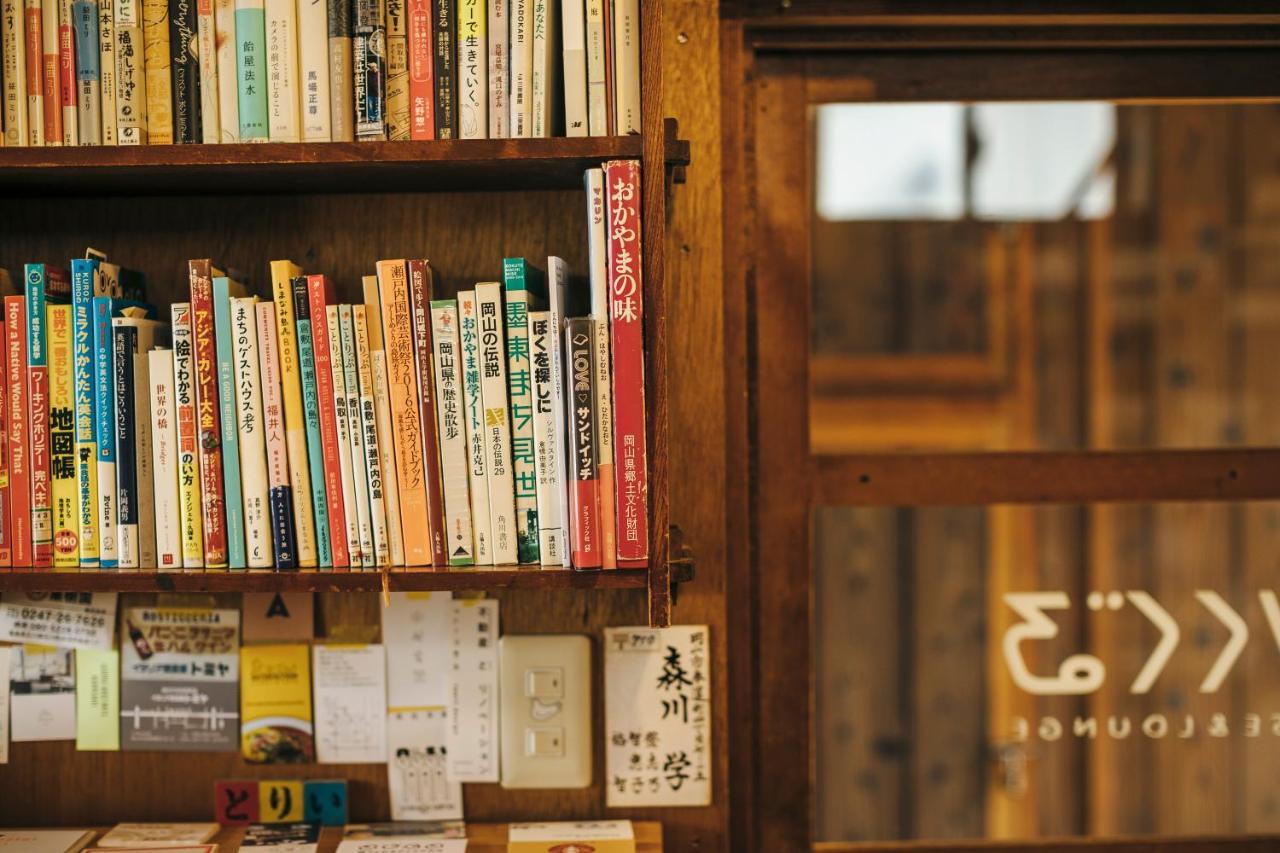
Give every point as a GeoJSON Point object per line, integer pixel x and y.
{"type": "Point", "coordinates": [351, 703]}
{"type": "Point", "coordinates": [472, 740]}
{"type": "Point", "coordinates": [97, 700]}
{"type": "Point", "coordinates": [42, 684]}
{"type": "Point", "coordinates": [416, 629]}
{"type": "Point", "coordinates": [84, 620]}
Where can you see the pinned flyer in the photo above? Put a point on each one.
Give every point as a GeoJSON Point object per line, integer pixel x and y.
{"type": "Point", "coordinates": [473, 700]}
{"type": "Point", "coordinates": [70, 620]}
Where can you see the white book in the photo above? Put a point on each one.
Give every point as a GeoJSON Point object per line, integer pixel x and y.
{"type": "Point", "coordinates": [70, 112]}
{"type": "Point", "coordinates": [546, 61]}
{"type": "Point", "coordinates": [626, 67]}
{"type": "Point", "coordinates": [279, 486]}
{"type": "Point", "coordinates": [459, 543]}
{"type": "Point", "coordinates": [284, 113]}
{"type": "Point", "coordinates": [207, 54]}
{"type": "Point", "coordinates": [573, 29]}
{"type": "Point", "coordinates": [547, 441]}
{"type": "Point", "coordinates": [390, 485]}
{"type": "Point", "coordinates": [473, 419]}
{"type": "Point", "coordinates": [107, 70]}
{"type": "Point", "coordinates": [597, 47]}
{"type": "Point", "coordinates": [497, 421]}
{"type": "Point", "coordinates": [351, 519]}
{"type": "Point", "coordinates": [164, 449]}
{"type": "Point", "coordinates": [313, 60]}
{"type": "Point", "coordinates": [13, 74]}
{"type": "Point", "coordinates": [355, 433]}
{"type": "Point", "coordinates": [372, 443]}
{"type": "Point", "coordinates": [253, 437]}
{"type": "Point", "coordinates": [598, 261]}
{"type": "Point", "coordinates": [145, 459]}
{"type": "Point", "coordinates": [499, 68]}
{"type": "Point", "coordinates": [131, 79]}
{"type": "Point", "coordinates": [473, 71]}
{"type": "Point", "coordinates": [190, 510]}
{"type": "Point", "coordinates": [521, 60]}
{"type": "Point", "coordinates": [558, 291]}
{"type": "Point", "coordinates": [224, 19]}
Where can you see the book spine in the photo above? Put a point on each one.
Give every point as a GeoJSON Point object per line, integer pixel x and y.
{"type": "Point", "coordinates": [584, 495]}
{"type": "Point", "coordinates": [156, 60]}
{"type": "Point", "coordinates": [341, 85]}
{"type": "Point", "coordinates": [523, 457]}
{"type": "Point", "coordinates": [320, 293]}
{"type": "Point", "coordinates": [557, 291]}
{"type": "Point", "coordinates": [499, 68]}
{"type": "Point", "coordinates": [104, 431]}
{"type": "Point", "coordinates": [250, 420]}
{"type": "Point", "coordinates": [67, 73]}
{"type": "Point", "coordinates": [228, 88]}
{"type": "Point", "coordinates": [208, 422]}
{"type": "Point", "coordinates": [278, 483]}
{"type": "Point", "coordinates": [355, 435]}
{"type": "Point", "coordinates": [6, 533]}
{"type": "Point", "coordinates": [598, 255]}
{"type": "Point", "coordinates": [188, 439]}
{"type": "Point", "coordinates": [421, 47]}
{"type": "Point", "coordinates": [13, 73]}
{"type": "Point", "coordinates": [312, 477]}
{"type": "Point", "coordinates": [473, 70]}
{"type": "Point", "coordinates": [573, 31]}
{"type": "Point", "coordinates": [350, 527]}
{"type": "Point", "coordinates": [372, 441]}
{"type": "Point", "coordinates": [445, 70]}
{"type": "Point", "coordinates": [145, 460]}
{"type": "Point", "coordinates": [107, 71]}
{"type": "Point", "coordinates": [286, 280]}
{"type": "Point", "coordinates": [521, 68]}
{"type": "Point", "coordinates": [131, 76]}
{"type": "Point", "coordinates": [406, 432]}
{"type": "Point", "coordinates": [459, 539]}
{"type": "Point", "coordinates": [62, 454]}
{"type": "Point", "coordinates": [124, 342]}
{"type": "Point", "coordinates": [368, 50]}
{"type": "Point", "coordinates": [84, 282]}
{"type": "Point", "coordinates": [226, 339]}
{"type": "Point", "coordinates": [626, 67]}
{"type": "Point", "coordinates": [313, 63]}
{"type": "Point", "coordinates": [88, 72]}
{"type": "Point", "coordinates": [38, 401]}
{"type": "Point", "coordinates": [473, 421]}
{"type": "Point", "coordinates": [33, 50]}
{"type": "Point", "coordinates": [52, 73]}
{"type": "Point", "coordinates": [164, 431]}
{"type": "Point", "coordinates": [184, 67]}
{"type": "Point", "coordinates": [626, 332]}
{"type": "Point", "coordinates": [390, 486]}
{"type": "Point", "coordinates": [597, 62]}
{"type": "Point", "coordinates": [542, 343]}
{"type": "Point", "coordinates": [420, 289]}
{"type": "Point", "coordinates": [284, 105]}
{"type": "Point", "coordinates": [493, 396]}
{"type": "Point", "coordinates": [545, 95]}
{"type": "Point", "coordinates": [207, 67]}
{"type": "Point", "coordinates": [397, 71]}
{"type": "Point", "coordinates": [251, 70]}
{"type": "Point", "coordinates": [19, 419]}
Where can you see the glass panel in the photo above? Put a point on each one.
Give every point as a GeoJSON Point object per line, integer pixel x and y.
{"type": "Point", "coordinates": [1021, 672]}
{"type": "Point", "coordinates": [1074, 275]}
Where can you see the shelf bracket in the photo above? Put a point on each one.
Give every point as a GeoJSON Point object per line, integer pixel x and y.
{"type": "Point", "coordinates": [664, 581]}
{"type": "Point", "coordinates": [675, 151]}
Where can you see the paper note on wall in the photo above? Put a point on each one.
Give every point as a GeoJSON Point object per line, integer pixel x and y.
{"type": "Point", "coordinates": [83, 620]}
{"type": "Point", "coordinates": [416, 630]}
{"type": "Point", "coordinates": [42, 681]}
{"type": "Point", "coordinates": [417, 776]}
{"type": "Point", "coordinates": [351, 703]}
{"type": "Point", "coordinates": [97, 700]}
{"type": "Point", "coordinates": [473, 692]}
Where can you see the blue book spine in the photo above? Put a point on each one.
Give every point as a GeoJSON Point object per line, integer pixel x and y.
{"type": "Point", "coordinates": [104, 429]}
{"type": "Point", "coordinates": [124, 345]}
{"type": "Point", "coordinates": [230, 434]}
{"type": "Point", "coordinates": [83, 273]}
{"type": "Point", "coordinates": [311, 412]}
{"type": "Point", "coordinates": [85, 13]}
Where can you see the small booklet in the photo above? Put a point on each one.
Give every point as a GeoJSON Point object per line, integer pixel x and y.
{"type": "Point", "coordinates": [158, 836]}
{"type": "Point", "coordinates": [45, 840]}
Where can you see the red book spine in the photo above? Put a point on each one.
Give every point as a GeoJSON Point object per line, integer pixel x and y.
{"type": "Point", "coordinates": [626, 332]}
{"type": "Point", "coordinates": [320, 293]}
{"type": "Point", "coordinates": [67, 68]}
{"type": "Point", "coordinates": [584, 484]}
{"type": "Point", "coordinates": [6, 541]}
{"type": "Point", "coordinates": [208, 421]}
{"type": "Point", "coordinates": [420, 311]}
{"type": "Point", "coordinates": [422, 121]}
{"type": "Point", "coordinates": [15, 327]}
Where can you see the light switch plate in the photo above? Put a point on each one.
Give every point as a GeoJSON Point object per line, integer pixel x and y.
{"type": "Point", "coordinates": [545, 689]}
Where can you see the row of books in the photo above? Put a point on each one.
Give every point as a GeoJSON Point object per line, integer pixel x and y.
{"type": "Point", "coordinates": [133, 72]}
{"type": "Point", "coordinates": [506, 425]}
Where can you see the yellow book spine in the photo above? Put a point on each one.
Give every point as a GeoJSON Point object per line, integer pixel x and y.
{"type": "Point", "coordinates": [295, 425]}
{"type": "Point", "coordinates": [62, 457]}
{"type": "Point", "coordinates": [184, 393]}
{"type": "Point", "coordinates": [156, 59]}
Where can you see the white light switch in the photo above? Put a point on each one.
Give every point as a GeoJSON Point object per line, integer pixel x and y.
{"type": "Point", "coordinates": [545, 690]}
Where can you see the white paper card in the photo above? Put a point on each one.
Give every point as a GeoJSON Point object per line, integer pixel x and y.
{"type": "Point", "coordinates": [403, 845]}
{"type": "Point", "coordinates": [571, 830]}
{"type": "Point", "coordinates": [473, 692]}
{"type": "Point", "coordinates": [350, 703]}
{"type": "Point", "coordinates": [4, 705]}
{"type": "Point", "coordinates": [417, 776]}
{"type": "Point", "coordinates": [415, 629]}
{"type": "Point", "coordinates": [42, 680]}
{"type": "Point", "coordinates": [83, 620]}
{"type": "Point", "coordinates": [658, 716]}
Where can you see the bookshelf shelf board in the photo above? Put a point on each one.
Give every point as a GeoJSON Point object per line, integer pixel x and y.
{"type": "Point", "coordinates": [315, 167]}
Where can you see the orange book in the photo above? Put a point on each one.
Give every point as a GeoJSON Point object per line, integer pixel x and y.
{"type": "Point", "coordinates": [406, 429]}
